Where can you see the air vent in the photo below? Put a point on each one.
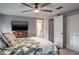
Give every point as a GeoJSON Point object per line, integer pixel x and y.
{"type": "Point", "coordinates": [58, 14]}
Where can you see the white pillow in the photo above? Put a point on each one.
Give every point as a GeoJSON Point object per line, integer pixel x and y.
{"type": "Point", "coordinates": [13, 36]}
{"type": "Point", "coordinates": [9, 37]}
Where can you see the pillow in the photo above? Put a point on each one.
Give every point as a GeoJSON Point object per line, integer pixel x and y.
{"type": "Point", "coordinates": [9, 38]}
{"type": "Point", "coordinates": [3, 41]}
{"type": "Point", "coordinates": [13, 36]}
{"type": "Point", "coordinates": [2, 45]}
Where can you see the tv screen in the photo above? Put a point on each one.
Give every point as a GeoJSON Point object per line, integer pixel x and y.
{"type": "Point", "coordinates": [19, 26]}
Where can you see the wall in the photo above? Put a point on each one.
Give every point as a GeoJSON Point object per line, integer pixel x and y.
{"type": "Point", "coordinates": [1, 20]}
{"type": "Point", "coordinates": [6, 25]}
{"type": "Point", "coordinates": [73, 32]}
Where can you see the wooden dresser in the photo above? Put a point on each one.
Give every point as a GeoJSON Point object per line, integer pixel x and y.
{"type": "Point", "coordinates": [20, 34]}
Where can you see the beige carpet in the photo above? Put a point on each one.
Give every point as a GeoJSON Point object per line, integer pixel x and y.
{"type": "Point", "coordinates": [68, 52]}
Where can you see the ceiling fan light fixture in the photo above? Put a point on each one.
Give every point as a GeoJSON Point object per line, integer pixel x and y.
{"type": "Point", "coordinates": [36, 10]}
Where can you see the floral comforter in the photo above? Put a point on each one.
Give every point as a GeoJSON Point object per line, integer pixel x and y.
{"type": "Point", "coordinates": [31, 46]}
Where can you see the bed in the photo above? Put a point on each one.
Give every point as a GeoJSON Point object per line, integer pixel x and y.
{"type": "Point", "coordinates": [10, 45]}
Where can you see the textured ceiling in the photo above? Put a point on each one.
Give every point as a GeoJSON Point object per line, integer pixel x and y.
{"type": "Point", "coordinates": [16, 8]}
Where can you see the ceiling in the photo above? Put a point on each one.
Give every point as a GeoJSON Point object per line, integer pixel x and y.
{"type": "Point", "coordinates": [16, 8]}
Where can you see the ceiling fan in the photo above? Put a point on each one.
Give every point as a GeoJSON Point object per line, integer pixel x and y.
{"type": "Point", "coordinates": [36, 8]}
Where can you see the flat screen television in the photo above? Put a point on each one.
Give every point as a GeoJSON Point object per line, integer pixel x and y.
{"type": "Point", "coordinates": [19, 26]}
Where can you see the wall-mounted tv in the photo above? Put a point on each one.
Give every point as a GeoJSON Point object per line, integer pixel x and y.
{"type": "Point", "coordinates": [19, 26]}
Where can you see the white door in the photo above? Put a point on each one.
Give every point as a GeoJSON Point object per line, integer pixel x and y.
{"type": "Point", "coordinates": [39, 28]}
{"type": "Point", "coordinates": [58, 31]}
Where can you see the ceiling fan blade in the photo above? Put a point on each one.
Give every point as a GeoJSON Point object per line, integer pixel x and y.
{"type": "Point", "coordinates": [44, 5]}
{"type": "Point", "coordinates": [27, 5]}
{"type": "Point", "coordinates": [59, 8]}
{"type": "Point", "coordinates": [47, 10]}
{"type": "Point", "coordinates": [26, 11]}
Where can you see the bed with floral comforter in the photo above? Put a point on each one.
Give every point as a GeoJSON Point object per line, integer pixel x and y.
{"type": "Point", "coordinates": [26, 46]}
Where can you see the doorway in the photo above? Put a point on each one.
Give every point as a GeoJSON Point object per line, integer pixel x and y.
{"type": "Point", "coordinates": [56, 30]}
{"type": "Point", "coordinates": [39, 28]}
{"type": "Point", "coordinates": [51, 30]}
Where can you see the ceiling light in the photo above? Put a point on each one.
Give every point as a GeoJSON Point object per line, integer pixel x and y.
{"type": "Point", "coordinates": [36, 10]}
